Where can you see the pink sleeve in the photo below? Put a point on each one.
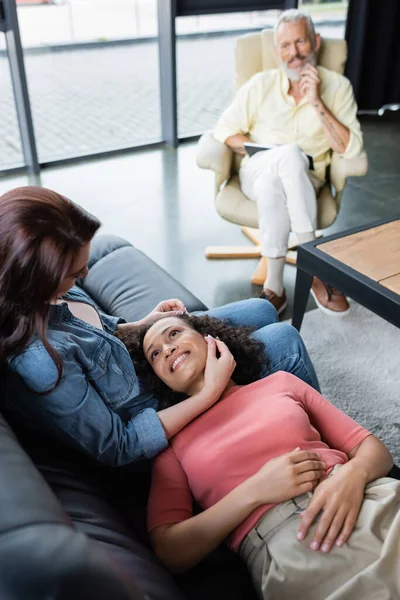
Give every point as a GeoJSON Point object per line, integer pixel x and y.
{"type": "Point", "coordinates": [170, 498]}
{"type": "Point", "coordinates": [336, 429]}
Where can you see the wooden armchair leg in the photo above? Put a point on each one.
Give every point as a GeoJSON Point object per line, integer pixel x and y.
{"type": "Point", "coordinates": [233, 252]}
{"type": "Point", "coordinates": [253, 234]}
{"type": "Point", "coordinates": [260, 273]}
{"type": "Point", "coordinates": [238, 251]}
{"type": "Point", "coordinates": [291, 257]}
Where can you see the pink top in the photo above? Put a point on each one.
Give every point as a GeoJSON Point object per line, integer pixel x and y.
{"type": "Point", "coordinates": [232, 440]}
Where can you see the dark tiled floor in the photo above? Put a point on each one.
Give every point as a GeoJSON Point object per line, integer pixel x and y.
{"type": "Point", "coordinates": [162, 203]}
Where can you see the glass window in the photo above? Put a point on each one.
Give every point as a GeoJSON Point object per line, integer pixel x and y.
{"type": "Point", "coordinates": [205, 64]}
{"type": "Point", "coordinates": [10, 142]}
{"type": "Point", "coordinates": [92, 71]}
{"type": "Point", "coordinates": [329, 16]}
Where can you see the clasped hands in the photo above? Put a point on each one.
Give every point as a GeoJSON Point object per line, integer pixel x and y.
{"type": "Point", "coordinates": [336, 499]}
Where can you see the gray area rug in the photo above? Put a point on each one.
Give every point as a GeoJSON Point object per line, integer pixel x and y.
{"type": "Point", "coordinates": [357, 360]}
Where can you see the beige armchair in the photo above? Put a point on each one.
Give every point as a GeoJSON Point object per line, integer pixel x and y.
{"type": "Point", "coordinates": [254, 53]}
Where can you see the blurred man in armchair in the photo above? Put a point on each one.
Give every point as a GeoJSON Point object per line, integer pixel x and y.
{"type": "Point", "coordinates": [301, 111]}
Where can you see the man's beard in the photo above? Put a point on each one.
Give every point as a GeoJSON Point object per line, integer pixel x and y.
{"type": "Point", "coordinates": [294, 75]}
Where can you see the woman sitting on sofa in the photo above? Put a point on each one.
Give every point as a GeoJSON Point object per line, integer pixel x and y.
{"type": "Point", "coordinates": [295, 485]}
{"type": "Point", "coordinates": [67, 375]}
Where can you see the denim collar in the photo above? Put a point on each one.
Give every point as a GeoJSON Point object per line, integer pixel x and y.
{"type": "Point", "coordinates": [59, 313]}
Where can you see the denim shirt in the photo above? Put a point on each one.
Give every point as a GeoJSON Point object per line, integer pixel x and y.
{"type": "Point", "coordinates": [97, 405]}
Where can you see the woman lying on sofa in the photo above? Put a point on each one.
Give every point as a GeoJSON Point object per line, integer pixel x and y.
{"type": "Point", "coordinates": [295, 485]}
{"type": "Point", "coordinates": [68, 375]}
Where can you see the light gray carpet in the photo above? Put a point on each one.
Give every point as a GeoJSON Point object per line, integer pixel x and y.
{"type": "Point", "coordinates": [357, 359]}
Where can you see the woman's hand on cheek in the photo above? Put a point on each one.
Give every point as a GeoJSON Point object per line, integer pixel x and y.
{"type": "Point", "coordinates": [218, 371]}
{"type": "Point", "coordinates": [339, 499]}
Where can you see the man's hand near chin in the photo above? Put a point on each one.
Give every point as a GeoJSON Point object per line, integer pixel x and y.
{"type": "Point", "coordinates": [310, 84]}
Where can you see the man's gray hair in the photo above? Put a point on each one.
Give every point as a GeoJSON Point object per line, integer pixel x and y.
{"type": "Point", "coordinates": [292, 16]}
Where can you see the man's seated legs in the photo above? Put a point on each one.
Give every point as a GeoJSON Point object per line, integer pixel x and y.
{"type": "Point", "coordinates": [278, 181]}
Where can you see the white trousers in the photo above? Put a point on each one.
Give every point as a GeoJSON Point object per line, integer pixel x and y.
{"type": "Point", "coordinates": [279, 181]}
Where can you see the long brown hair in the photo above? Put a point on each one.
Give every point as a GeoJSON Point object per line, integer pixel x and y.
{"type": "Point", "coordinates": [41, 233]}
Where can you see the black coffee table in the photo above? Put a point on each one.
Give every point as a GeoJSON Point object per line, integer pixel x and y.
{"type": "Point", "coordinates": [363, 263]}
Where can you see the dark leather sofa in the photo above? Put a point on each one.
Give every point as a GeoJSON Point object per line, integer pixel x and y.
{"type": "Point", "coordinates": [71, 529]}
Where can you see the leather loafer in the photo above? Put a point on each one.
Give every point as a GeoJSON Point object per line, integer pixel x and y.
{"type": "Point", "coordinates": [279, 302]}
{"type": "Point", "coordinates": [330, 300]}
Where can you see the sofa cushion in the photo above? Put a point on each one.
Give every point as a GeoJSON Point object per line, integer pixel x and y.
{"type": "Point", "coordinates": [127, 283]}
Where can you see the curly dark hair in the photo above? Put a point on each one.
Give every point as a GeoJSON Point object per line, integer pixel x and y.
{"type": "Point", "coordinates": [248, 353]}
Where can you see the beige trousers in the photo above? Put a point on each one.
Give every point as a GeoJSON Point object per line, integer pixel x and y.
{"type": "Point", "coordinates": [367, 567]}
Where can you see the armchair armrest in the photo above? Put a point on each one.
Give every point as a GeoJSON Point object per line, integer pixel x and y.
{"type": "Point", "coordinates": [212, 154]}
{"type": "Point", "coordinates": [342, 168]}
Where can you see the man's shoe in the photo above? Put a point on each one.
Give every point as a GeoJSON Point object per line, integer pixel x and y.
{"type": "Point", "coordinates": [279, 302]}
{"type": "Point", "coordinates": [329, 299]}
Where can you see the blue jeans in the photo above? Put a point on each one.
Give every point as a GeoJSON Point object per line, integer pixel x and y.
{"type": "Point", "coordinates": [284, 348]}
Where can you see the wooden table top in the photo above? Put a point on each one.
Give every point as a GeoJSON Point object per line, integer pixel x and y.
{"type": "Point", "coordinates": [374, 252]}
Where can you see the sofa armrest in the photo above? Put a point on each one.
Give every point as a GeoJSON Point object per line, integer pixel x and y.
{"type": "Point", "coordinates": [48, 561]}
{"type": "Point", "coordinates": [342, 168]}
{"type": "Point", "coordinates": [41, 555]}
{"type": "Point", "coordinates": [212, 154]}
{"type": "Point", "coordinates": [126, 283]}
